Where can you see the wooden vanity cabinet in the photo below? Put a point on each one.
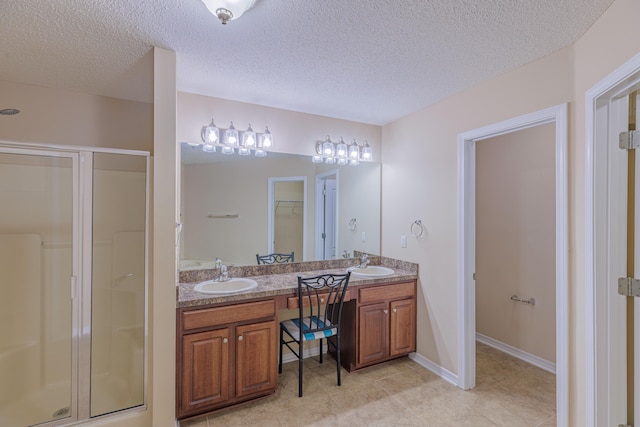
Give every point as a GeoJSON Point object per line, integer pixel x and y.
{"type": "Point", "coordinates": [381, 324]}
{"type": "Point", "coordinates": [227, 355]}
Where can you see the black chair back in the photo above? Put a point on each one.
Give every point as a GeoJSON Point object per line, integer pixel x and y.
{"type": "Point", "coordinates": [274, 258]}
{"type": "Point", "coordinates": [323, 295]}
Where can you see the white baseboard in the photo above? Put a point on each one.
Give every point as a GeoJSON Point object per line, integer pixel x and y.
{"type": "Point", "coordinates": [436, 369]}
{"type": "Point", "coordinates": [516, 352]}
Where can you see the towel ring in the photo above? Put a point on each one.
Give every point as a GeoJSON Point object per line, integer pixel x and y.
{"type": "Point", "coordinates": [353, 224]}
{"type": "Point", "coordinates": [417, 229]}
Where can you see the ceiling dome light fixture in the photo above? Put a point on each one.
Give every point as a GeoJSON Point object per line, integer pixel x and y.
{"type": "Point", "coordinates": [228, 10]}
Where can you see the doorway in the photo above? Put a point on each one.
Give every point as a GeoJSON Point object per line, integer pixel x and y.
{"type": "Point", "coordinates": [287, 216]}
{"type": "Point", "coordinates": [326, 234]}
{"type": "Point", "coordinates": [606, 174]}
{"type": "Point", "coordinates": [467, 246]}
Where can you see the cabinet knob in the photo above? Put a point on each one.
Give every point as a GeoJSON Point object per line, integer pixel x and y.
{"type": "Point", "coordinates": [321, 300]}
{"type": "Point", "coordinates": [385, 311]}
{"type": "Point", "coordinates": [240, 338]}
{"type": "Point", "coordinates": [395, 310]}
{"type": "Point", "coordinates": [225, 340]}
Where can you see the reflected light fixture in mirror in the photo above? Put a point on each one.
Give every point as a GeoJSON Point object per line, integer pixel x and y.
{"type": "Point", "coordinates": [228, 10]}
{"type": "Point", "coordinates": [330, 153]}
{"type": "Point", "coordinates": [231, 139]}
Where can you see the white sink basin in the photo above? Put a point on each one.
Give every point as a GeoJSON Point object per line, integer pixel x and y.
{"type": "Point", "coordinates": [371, 271]}
{"type": "Point", "coordinates": [239, 284]}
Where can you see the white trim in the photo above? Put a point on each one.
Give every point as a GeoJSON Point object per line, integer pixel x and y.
{"type": "Point", "coordinates": [598, 244]}
{"type": "Point", "coordinates": [436, 369]}
{"type": "Point", "coordinates": [532, 359]}
{"type": "Point", "coordinates": [466, 247]}
{"type": "Point", "coordinates": [319, 242]}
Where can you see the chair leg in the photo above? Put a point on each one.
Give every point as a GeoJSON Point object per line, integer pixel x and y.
{"type": "Point", "coordinates": [338, 356]}
{"type": "Point", "coordinates": [280, 362]}
{"type": "Point", "coordinates": [300, 368]}
{"type": "Point", "coordinates": [321, 350]}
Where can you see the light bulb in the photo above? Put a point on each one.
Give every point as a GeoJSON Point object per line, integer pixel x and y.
{"type": "Point", "coordinates": [210, 133]}
{"type": "Point", "coordinates": [266, 139]}
{"type": "Point", "coordinates": [367, 151]}
{"type": "Point", "coordinates": [248, 138]}
{"type": "Point", "coordinates": [341, 149]}
{"type": "Point", "coordinates": [231, 136]}
{"type": "Point", "coordinates": [354, 150]}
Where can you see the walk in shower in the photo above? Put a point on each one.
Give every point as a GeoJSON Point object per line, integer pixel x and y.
{"type": "Point", "coordinates": [73, 283]}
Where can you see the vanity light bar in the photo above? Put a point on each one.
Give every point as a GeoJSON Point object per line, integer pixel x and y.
{"type": "Point", "coordinates": [232, 141]}
{"type": "Point", "coordinates": [341, 153]}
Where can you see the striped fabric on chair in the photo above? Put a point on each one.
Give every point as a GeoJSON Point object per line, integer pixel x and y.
{"type": "Point", "coordinates": [293, 328]}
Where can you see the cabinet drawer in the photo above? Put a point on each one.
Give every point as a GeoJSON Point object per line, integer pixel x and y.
{"type": "Point", "coordinates": [292, 302]}
{"type": "Point", "coordinates": [386, 292]}
{"type": "Point", "coordinates": [203, 318]}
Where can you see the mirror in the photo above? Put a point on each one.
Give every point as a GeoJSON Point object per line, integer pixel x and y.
{"type": "Point", "coordinates": [225, 207]}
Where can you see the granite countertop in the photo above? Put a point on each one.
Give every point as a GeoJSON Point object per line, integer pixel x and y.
{"type": "Point", "coordinates": [283, 282]}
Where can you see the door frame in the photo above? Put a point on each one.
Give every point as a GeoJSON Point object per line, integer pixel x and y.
{"type": "Point", "coordinates": [271, 212]}
{"type": "Point", "coordinates": [605, 245]}
{"type": "Point", "coordinates": [466, 246]}
{"type": "Point", "coordinates": [320, 179]}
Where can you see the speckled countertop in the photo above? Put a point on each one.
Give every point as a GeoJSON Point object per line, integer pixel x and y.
{"type": "Point", "coordinates": [282, 279]}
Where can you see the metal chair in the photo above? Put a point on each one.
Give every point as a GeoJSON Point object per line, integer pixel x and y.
{"type": "Point", "coordinates": [274, 258]}
{"type": "Point", "coordinates": [321, 298]}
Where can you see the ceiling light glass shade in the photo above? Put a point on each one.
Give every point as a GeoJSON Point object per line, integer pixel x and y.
{"type": "Point", "coordinates": [341, 150]}
{"type": "Point", "coordinates": [354, 162]}
{"type": "Point", "coordinates": [226, 149]}
{"type": "Point", "coordinates": [328, 148]}
{"type": "Point", "coordinates": [265, 140]}
{"type": "Point", "coordinates": [330, 160]}
{"type": "Point", "coordinates": [210, 134]}
{"type": "Point", "coordinates": [260, 152]}
{"type": "Point", "coordinates": [208, 148]}
{"type": "Point", "coordinates": [316, 158]}
{"type": "Point", "coordinates": [227, 10]}
{"type": "Point", "coordinates": [367, 152]}
{"type": "Point", "coordinates": [244, 151]}
{"type": "Point", "coordinates": [231, 136]}
{"type": "Point", "coordinates": [248, 139]}
{"type": "Point", "coordinates": [354, 150]}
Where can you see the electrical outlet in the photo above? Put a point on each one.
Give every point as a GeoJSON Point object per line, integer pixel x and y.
{"type": "Point", "coordinates": [403, 241]}
{"type": "Point", "coordinates": [363, 237]}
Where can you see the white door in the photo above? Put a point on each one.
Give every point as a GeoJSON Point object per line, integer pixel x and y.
{"type": "Point", "coordinates": [326, 215]}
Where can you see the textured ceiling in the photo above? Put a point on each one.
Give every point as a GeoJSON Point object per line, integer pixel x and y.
{"type": "Point", "coordinates": [371, 61]}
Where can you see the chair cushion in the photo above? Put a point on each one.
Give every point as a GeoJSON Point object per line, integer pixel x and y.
{"type": "Point", "coordinates": [293, 328]}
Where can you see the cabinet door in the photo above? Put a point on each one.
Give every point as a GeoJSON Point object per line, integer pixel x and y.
{"type": "Point", "coordinates": [205, 369]}
{"type": "Point", "coordinates": [256, 358]}
{"type": "Point", "coordinates": [373, 332]}
{"type": "Point", "coordinates": [402, 336]}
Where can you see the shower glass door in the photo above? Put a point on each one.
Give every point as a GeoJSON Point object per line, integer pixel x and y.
{"type": "Point", "coordinates": [118, 282]}
{"type": "Point", "coordinates": [38, 205]}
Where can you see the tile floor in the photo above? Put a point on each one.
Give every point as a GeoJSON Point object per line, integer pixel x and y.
{"type": "Point", "coordinates": [509, 392]}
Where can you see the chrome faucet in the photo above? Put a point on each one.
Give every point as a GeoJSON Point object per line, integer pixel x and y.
{"type": "Point", "coordinates": [364, 261]}
{"type": "Point", "coordinates": [224, 275]}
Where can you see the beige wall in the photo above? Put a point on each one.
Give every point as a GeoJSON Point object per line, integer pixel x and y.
{"type": "Point", "coordinates": [420, 157]}
{"type": "Point", "coordinates": [230, 187]}
{"type": "Point", "coordinates": [564, 76]}
{"type": "Point", "coordinates": [515, 239]}
{"type": "Point", "coordinates": [293, 132]}
{"type": "Point", "coordinates": [55, 116]}
{"type": "Point", "coordinates": [419, 153]}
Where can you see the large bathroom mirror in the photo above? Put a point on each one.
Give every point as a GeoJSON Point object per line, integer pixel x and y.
{"type": "Point", "coordinates": [225, 207]}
